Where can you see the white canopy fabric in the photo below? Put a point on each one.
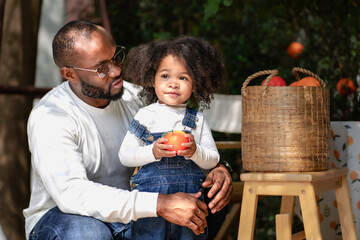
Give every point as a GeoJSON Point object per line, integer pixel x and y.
{"type": "Point", "coordinates": [52, 18]}
{"type": "Point", "coordinates": [224, 114]}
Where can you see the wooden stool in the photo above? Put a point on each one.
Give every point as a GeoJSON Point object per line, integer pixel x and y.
{"type": "Point", "coordinates": [290, 185]}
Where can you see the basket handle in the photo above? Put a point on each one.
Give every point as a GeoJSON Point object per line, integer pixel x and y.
{"type": "Point", "coordinates": [295, 71]}
{"type": "Point", "coordinates": [271, 73]}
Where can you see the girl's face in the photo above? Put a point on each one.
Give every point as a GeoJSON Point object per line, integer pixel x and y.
{"type": "Point", "coordinates": [173, 84]}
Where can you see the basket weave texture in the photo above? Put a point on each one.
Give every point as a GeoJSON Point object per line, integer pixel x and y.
{"type": "Point", "coordinates": [285, 129]}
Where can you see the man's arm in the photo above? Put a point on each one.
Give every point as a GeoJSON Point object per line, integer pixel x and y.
{"type": "Point", "coordinates": [183, 209]}
{"type": "Point", "coordinates": [221, 187]}
{"type": "Point", "coordinates": [60, 168]}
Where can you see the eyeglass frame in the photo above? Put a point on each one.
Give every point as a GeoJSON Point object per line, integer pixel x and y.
{"type": "Point", "coordinates": [120, 49]}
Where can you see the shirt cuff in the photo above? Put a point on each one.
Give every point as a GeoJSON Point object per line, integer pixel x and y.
{"type": "Point", "coordinates": [146, 204]}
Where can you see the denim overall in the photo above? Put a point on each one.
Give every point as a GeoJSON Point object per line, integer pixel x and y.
{"type": "Point", "coordinates": [169, 175]}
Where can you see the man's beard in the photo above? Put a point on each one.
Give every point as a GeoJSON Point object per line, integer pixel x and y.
{"type": "Point", "coordinates": [97, 92]}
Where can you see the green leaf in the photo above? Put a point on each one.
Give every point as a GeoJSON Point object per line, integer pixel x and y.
{"type": "Point", "coordinates": [211, 8]}
{"type": "Point", "coordinates": [163, 135]}
{"type": "Point", "coordinates": [227, 3]}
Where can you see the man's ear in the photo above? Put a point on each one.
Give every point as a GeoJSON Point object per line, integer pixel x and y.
{"type": "Point", "coordinates": [68, 74]}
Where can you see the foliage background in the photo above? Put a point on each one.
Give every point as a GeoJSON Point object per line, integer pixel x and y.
{"type": "Point", "coordinates": [253, 35]}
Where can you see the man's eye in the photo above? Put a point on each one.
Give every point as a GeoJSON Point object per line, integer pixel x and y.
{"type": "Point", "coordinates": [103, 68]}
{"type": "Point", "coordinates": [117, 60]}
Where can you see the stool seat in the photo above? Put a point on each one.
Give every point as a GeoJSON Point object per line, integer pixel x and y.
{"type": "Point", "coordinates": [293, 176]}
{"type": "Point", "coordinates": [289, 185]}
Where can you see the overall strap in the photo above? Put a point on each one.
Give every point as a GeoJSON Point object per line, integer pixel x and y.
{"type": "Point", "coordinates": [190, 118]}
{"type": "Point", "coordinates": [140, 131]}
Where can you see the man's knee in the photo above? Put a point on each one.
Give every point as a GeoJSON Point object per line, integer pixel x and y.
{"type": "Point", "coordinates": [55, 224]}
{"type": "Point", "coordinates": [89, 228]}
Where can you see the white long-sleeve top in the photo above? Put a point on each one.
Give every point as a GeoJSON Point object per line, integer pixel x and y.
{"type": "Point", "coordinates": [74, 152]}
{"type": "Point", "coordinates": [161, 118]}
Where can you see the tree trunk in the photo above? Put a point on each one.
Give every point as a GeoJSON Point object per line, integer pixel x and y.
{"type": "Point", "coordinates": [17, 68]}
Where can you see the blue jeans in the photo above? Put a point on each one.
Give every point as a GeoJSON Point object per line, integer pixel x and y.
{"type": "Point", "coordinates": [58, 225]}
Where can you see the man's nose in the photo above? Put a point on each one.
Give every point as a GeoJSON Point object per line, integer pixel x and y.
{"type": "Point", "coordinates": [114, 70]}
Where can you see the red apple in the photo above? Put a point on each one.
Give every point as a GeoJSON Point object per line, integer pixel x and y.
{"type": "Point", "coordinates": [176, 138]}
{"type": "Point", "coordinates": [275, 81]}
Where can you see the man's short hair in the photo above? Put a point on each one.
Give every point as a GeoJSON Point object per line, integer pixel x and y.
{"type": "Point", "coordinates": [63, 44]}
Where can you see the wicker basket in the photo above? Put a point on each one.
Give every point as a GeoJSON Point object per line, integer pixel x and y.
{"type": "Point", "coordinates": [285, 129]}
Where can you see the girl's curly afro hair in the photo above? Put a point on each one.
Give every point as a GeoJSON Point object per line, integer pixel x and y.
{"type": "Point", "coordinates": [202, 61]}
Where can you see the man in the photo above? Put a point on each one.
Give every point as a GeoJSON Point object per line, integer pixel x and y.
{"type": "Point", "coordinates": [75, 133]}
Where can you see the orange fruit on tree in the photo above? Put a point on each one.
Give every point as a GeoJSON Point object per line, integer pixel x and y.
{"type": "Point", "coordinates": [307, 81]}
{"type": "Point", "coordinates": [295, 49]}
{"type": "Point", "coordinates": [345, 86]}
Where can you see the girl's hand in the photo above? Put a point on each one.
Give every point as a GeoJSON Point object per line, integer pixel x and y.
{"type": "Point", "coordinates": [191, 147]}
{"type": "Point", "coordinates": [159, 149]}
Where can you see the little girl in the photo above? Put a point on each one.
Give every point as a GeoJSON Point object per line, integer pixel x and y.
{"type": "Point", "coordinates": [178, 77]}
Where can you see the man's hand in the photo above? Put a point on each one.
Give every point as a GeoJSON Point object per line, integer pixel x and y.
{"type": "Point", "coordinates": [183, 209]}
{"type": "Point", "coordinates": [221, 184]}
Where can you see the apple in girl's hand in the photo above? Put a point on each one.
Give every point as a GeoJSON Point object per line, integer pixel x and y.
{"type": "Point", "coordinates": [275, 81]}
{"type": "Point", "coordinates": [176, 138]}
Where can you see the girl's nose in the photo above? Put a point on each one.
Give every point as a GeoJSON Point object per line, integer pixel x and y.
{"type": "Point", "coordinates": [173, 84]}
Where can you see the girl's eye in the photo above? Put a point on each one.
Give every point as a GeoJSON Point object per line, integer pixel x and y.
{"type": "Point", "coordinates": [183, 78]}
{"type": "Point", "coordinates": [165, 76]}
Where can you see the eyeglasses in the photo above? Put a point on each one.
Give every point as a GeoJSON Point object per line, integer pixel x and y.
{"type": "Point", "coordinates": [104, 68]}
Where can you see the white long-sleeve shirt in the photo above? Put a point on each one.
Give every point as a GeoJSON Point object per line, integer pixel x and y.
{"type": "Point", "coordinates": [160, 118]}
{"type": "Point", "coordinates": [74, 152]}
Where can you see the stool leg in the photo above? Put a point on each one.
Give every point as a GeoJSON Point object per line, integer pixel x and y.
{"type": "Point", "coordinates": [283, 226]}
{"type": "Point", "coordinates": [310, 212]}
{"type": "Point", "coordinates": [345, 210]}
{"type": "Point", "coordinates": [248, 213]}
{"type": "Point", "coordinates": [287, 205]}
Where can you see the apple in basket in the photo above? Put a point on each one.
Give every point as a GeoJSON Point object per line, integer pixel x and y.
{"type": "Point", "coordinates": [275, 81]}
{"type": "Point", "coordinates": [175, 138]}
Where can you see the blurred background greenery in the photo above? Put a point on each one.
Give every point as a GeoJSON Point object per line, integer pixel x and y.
{"type": "Point", "coordinates": [254, 35]}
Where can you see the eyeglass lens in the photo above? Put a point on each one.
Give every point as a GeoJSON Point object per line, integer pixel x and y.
{"type": "Point", "coordinates": [117, 60]}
